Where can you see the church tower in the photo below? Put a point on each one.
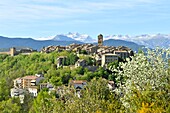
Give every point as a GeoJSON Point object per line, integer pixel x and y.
{"type": "Point", "coordinates": [100, 40]}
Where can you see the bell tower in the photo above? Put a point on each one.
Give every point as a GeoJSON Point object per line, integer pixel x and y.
{"type": "Point", "coordinates": [100, 40]}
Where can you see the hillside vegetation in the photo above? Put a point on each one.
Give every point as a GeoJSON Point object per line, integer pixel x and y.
{"type": "Point", "coordinates": [142, 84]}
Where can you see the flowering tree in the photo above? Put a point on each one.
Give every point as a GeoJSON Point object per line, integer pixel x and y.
{"type": "Point", "coordinates": [146, 82]}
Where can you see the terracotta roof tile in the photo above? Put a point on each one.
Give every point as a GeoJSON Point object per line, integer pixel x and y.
{"type": "Point", "coordinates": [30, 77]}
{"type": "Point", "coordinates": [78, 81]}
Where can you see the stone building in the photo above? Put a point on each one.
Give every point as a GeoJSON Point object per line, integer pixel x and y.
{"type": "Point", "coordinates": [108, 58]}
{"type": "Point", "coordinates": [13, 51]}
{"type": "Point", "coordinates": [61, 60]}
{"type": "Point", "coordinates": [122, 53]}
{"type": "Point", "coordinates": [80, 62]}
{"type": "Point", "coordinates": [24, 51]}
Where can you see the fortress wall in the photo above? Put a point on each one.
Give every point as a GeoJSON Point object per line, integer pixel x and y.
{"type": "Point", "coordinates": [7, 53]}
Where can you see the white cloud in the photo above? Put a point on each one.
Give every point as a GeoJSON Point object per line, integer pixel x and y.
{"type": "Point", "coordinates": [39, 9]}
{"type": "Point", "coordinates": [77, 11]}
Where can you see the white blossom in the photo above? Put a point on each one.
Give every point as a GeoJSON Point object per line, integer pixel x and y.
{"type": "Point", "coordinates": [142, 70]}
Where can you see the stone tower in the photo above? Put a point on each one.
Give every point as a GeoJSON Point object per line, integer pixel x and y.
{"type": "Point", "coordinates": [12, 51]}
{"type": "Point", "coordinates": [100, 40]}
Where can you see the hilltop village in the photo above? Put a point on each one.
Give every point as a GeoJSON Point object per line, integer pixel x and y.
{"type": "Point", "coordinates": [100, 56]}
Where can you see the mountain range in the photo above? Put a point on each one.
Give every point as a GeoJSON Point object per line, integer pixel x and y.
{"type": "Point", "coordinates": [150, 41]}
{"type": "Point", "coordinates": [6, 42]}
{"type": "Point", "coordinates": [74, 37]}
{"type": "Point", "coordinates": [133, 42]}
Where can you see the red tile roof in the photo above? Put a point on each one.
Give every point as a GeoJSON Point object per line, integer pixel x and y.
{"type": "Point", "coordinates": [78, 81]}
{"type": "Point", "coordinates": [30, 77]}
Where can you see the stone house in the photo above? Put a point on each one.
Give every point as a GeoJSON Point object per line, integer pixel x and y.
{"type": "Point", "coordinates": [122, 53]}
{"type": "Point", "coordinates": [80, 62]}
{"type": "Point", "coordinates": [27, 83]}
{"type": "Point", "coordinates": [108, 58]}
{"type": "Point", "coordinates": [16, 92]}
{"type": "Point", "coordinates": [60, 61]}
{"type": "Point", "coordinates": [78, 84]}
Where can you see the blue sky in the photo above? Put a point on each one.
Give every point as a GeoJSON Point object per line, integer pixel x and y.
{"type": "Point", "coordinates": [43, 18]}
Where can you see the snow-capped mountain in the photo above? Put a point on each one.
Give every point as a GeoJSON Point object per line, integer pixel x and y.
{"type": "Point", "coordinates": [74, 37]}
{"type": "Point", "coordinates": [151, 41]}
{"type": "Point", "coordinates": [119, 37]}
{"type": "Point", "coordinates": [62, 38]}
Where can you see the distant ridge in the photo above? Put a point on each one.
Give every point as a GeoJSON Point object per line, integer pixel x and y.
{"type": "Point", "coordinates": [113, 42]}
{"type": "Point", "coordinates": [6, 42]}
{"type": "Point", "coordinates": [150, 41]}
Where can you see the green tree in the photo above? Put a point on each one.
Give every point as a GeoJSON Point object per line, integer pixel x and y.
{"type": "Point", "coordinates": [114, 65]}
{"type": "Point", "coordinates": [28, 101]}
{"type": "Point", "coordinates": [43, 103]}
{"type": "Point", "coordinates": [80, 70]}
{"type": "Point", "coordinates": [95, 98]}
{"type": "Point", "coordinates": [65, 78]}
{"type": "Point", "coordinates": [72, 58]}
{"type": "Point", "coordinates": [10, 106]}
{"type": "Point", "coordinates": [4, 90]}
{"type": "Point", "coordinates": [90, 61]}
{"type": "Point", "coordinates": [146, 81]}
{"type": "Point", "coordinates": [83, 52]}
